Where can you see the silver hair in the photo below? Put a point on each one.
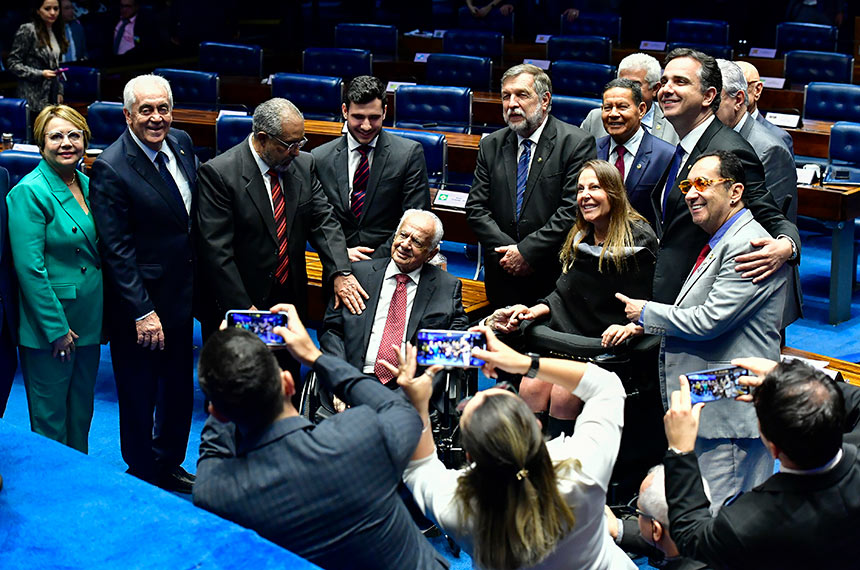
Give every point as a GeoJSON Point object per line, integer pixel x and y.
{"type": "Point", "coordinates": [269, 115]}
{"type": "Point", "coordinates": [543, 84]}
{"type": "Point", "coordinates": [733, 79]}
{"type": "Point", "coordinates": [128, 97]}
{"type": "Point", "coordinates": [653, 500]}
{"type": "Point", "coordinates": [642, 61]}
{"type": "Point", "coordinates": [438, 230]}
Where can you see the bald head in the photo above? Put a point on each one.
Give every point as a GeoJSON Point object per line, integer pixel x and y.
{"type": "Point", "coordinates": [754, 84]}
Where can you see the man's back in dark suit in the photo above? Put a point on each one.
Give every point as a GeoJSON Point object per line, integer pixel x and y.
{"type": "Point", "coordinates": [8, 301]}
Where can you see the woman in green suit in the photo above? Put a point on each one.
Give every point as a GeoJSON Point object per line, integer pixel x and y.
{"type": "Point", "coordinates": [55, 253]}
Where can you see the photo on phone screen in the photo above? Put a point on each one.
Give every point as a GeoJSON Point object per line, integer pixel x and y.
{"type": "Point", "coordinates": [716, 384]}
{"type": "Point", "coordinates": [261, 323]}
{"type": "Point", "coordinates": [449, 348]}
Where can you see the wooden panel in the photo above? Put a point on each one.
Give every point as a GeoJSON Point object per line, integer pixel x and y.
{"type": "Point", "coordinates": [849, 370]}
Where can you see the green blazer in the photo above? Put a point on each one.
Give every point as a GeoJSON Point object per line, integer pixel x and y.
{"type": "Point", "coordinates": [55, 253]}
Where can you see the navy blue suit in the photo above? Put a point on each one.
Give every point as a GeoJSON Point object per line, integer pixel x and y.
{"type": "Point", "coordinates": [651, 161]}
{"type": "Point", "coordinates": [8, 301]}
{"type": "Point", "coordinates": [147, 252]}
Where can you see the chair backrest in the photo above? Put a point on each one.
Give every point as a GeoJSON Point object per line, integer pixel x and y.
{"type": "Point", "coordinates": [581, 78]}
{"type": "Point", "coordinates": [596, 49]}
{"type": "Point", "coordinates": [106, 122]}
{"type": "Point", "coordinates": [14, 118]}
{"type": "Point", "coordinates": [494, 21]}
{"type": "Point", "coordinates": [479, 43]}
{"type": "Point", "coordinates": [230, 130]}
{"type": "Point", "coordinates": [82, 84]}
{"type": "Point", "coordinates": [724, 52]}
{"type": "Point", "coordinates": [192, 88]}
{"type": "Point", "coordinates": [460, 70]}
{"type": "Point", "coordinates": [19, 164]}
{"type": "Point", "coordinates": [845, 143]}
{"type": "Point", "coordinates": [339, 62]}
{"type": "Point", "coordinates": [831, 102]}
{"type": "Point", "coordinates": [4, 185]}
{"type": "Point", "coordinates": [711, 32]}
{"type": "Point", "coordinates": [802, 67]}
{"type": "Point", "coordinates": [573, 110]}
{"type": "Point", "coordinates": [319, 97]}
{"type": "Point", "coordinates": [801, 35]}
{"type": "Point", "coordinates": [435, 147]}
{"type": "Point", "coordinates": [608, 25]}
{"type": "Point", "coordinates": [433, 107]}
{"type": "Point", "coordinates": [231, 59]}
{"type": "Point", "coordinates": [380, 40]}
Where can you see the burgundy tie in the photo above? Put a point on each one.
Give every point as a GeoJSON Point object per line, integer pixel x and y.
{"type": "Point", "coordinates": [393, 332]}
{"type": "Point", "coordinates": [619, 162]}
{"type": "Point", "coordinates": [359, 181]}
{"type": "Point", "coordinates": [702, 255]}
{"type": "Point", "coordinates": [283, 269]}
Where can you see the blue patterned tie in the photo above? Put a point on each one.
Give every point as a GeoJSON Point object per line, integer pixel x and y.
{"type": "Point", "coordinates": [673, 174]}
{"type": "Point", "coordinates": [523, 174]}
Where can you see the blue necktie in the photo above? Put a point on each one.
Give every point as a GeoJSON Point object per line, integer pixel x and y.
{"type": "Point", "coordinates": [523, 174]}
{"type": "Point", "coordinates": [161, 161]}
{"type": "Point", "coordinates": [673, 174]}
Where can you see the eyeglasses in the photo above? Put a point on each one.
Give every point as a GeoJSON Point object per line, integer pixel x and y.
{"type": "Point", "coordinates": [501, 385]}
{"type": "Point", "coordinates": [290, 146]}
{"type": "Point", "coordinates": [701, 183]}
{"type": "Point", "coordinates": [57, 137]}
{"type": "Point", "coordinates": [631, 509]}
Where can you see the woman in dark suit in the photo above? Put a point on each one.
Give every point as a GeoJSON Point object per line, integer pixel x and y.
{"type": "Point", "coordinates": [35, 56]}
{"type": "Point", "coordinates": [55, 253]}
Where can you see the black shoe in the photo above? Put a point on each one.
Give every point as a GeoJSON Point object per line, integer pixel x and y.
{"type": "Point", "coordinates": [431, 531]}
{"type": "Point", "coordinates": [178, 480]}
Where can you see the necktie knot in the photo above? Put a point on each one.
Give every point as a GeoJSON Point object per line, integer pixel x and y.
{"type": "Point", "coordinates": [402, 278]}
{"type": "Point", "coordinates": [620, 150]}
{"type": "Point", "coordinates": [527, 143]}
{"type": "Point", "coordinates": [161, 158]}
{"type": "Point", "coordinates": [364, 149]}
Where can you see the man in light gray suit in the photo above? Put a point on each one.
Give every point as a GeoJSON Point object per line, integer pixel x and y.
{"type": "Point", "coordinates": [644, 70]}
{"type": "Point", "coordinates": [717, 316]}
{"type": "Point", "coordinates": [755, 87]}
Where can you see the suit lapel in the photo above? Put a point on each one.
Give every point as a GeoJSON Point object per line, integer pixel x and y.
{"type": "Point", "coordinates": [426, 289]}
{"type": "Point", "coordinates": [69, 205]}
{"type": "Point", "coordinates": [676, 199]}
{"type": "Point", "coordinates": [748, 126]}
{"type": "Point", "coordinates": [381, 152]}
{"type": "Point", "coordinates": [509, 150]}
{"type": "Point", "coordinates": [185, 160]}
{"type": "Point", "coordinates": [603, 148]}
{"type": "Point", "coordinates": [341, 166]}
{"type": "Point", "coordinates": [543, 150]}
{"type": "Point", "coordinates": [147, 170]}
{"type": "Point", "coordinates": [292, 185]}
{"type": "Point", "coordinates": [640, 162]}
{"type": "Point", "coordinates": [256, 189]}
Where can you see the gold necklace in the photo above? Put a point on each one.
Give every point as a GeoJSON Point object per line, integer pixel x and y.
{"type": "Point", "coordinates": [73, 180]}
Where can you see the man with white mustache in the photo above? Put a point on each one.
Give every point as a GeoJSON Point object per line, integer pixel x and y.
{"type": "Point", "coordinates": [523, 197]}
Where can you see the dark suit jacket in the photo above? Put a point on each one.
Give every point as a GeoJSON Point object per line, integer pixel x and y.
{"type": "Point", "coordinates": [328, 492]}
{"type": "Point", "coordinates": [398, 182]}
{"type": "Point", "coordinates": [238, 244]}
{"type": "Point", "coordinates": [548, 210]}
{"type": "Point", "coordinates": [438, 304]}
{"type": "Point", "coordinates": [78, 38]}
{"type": "Point", "coordinates": [145, 233]}
{"type": "Point", "coordinates": [651, 161]}
{"type": "Point", "coordinates": [789, 521]}
{"type": "Point", "coordinates": [8, 283]}
{"type": "Point", "coordinates": [680, 239]}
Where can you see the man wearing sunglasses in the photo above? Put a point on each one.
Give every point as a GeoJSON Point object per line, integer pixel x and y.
{"type": "Point", "coordinates": [717, 315]}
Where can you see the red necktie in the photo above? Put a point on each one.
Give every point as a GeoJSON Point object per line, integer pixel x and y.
{"type": "Point", "coordinates": [393, 332]}
{"type": "Point", "coordinates": [702, 255]}
{"type": "Point", "coordinates": [283, 269]}
{"type": "Point", "coordinates": [619, 162]}
{"type": "Point", "coordinates": [359, 181]}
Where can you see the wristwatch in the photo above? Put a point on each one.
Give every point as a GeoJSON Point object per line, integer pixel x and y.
{"type": "Point", "coordinates": [535, 365]}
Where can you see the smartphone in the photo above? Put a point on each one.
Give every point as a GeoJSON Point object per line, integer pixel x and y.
{"type": "Point", "coordinates": [841, 175]}
{"type": "Point", "coordinates": [261, 323]}
{"type": "Point", "coordinates": [449, 348]}
{"type": "Point", "coordinates": [716, 384]}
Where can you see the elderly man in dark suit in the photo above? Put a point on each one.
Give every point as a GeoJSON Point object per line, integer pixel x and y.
{"type": "Point", "coordinates": [370, 177]}
{"type": "Point", "coordinates": [755, 88]}
{"type": "Point", "coordinates": [8, 301]}
{"type": "Point", "coordinates": [523, 199]}
{"type": "Point", "coordinates": [143, 192]}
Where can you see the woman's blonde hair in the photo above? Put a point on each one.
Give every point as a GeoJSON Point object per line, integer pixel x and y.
{"type": "Point", "coordinates": [62, 112]}
{"type": "Point", "coordinates": [621, 215]}
{"type": "Point", "coordinates": [510, 493]}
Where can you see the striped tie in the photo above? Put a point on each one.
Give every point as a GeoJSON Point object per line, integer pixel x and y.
{"type": "Point", "coordinates": [393, 332]}
{"type": "Point", "coordinates": [359, 181]}
{"type": "Point", "coordinates": [523, 174]}
{"type": "Point", "coordinates": [283, 269]}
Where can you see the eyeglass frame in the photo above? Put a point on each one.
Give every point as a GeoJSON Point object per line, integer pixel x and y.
{"type": "Point", "coordinates": [290, 147]}
{"type": "Point", "coordinates": [65, 136]}
{"type": "Point", "coordinates": [710, 182]}
{"type": "Point", "coordinates": [503, 385]}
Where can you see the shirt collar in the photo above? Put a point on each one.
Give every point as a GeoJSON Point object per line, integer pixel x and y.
{"type": "Point", "coordinates": [688, 143]}
{"type": "Point", "coordinates": [391, 270]}
{"type": "Point", "coordinates": [829, 466]}
{"type": "Point", "coordinates": [151, 154]}
{"type": "Point", "coordinates": [740, 125]}
{"type": "Point", "coordinates": [353, 144]}
{"type": "Point", "coordinates": [755, 113]}
{"type": "Point", "coordinates": [632, 144]}
{"type": "Point", "coordinates": [648, 119]}
{"type": "Point", "coordinates": [718, 235]}
{"type": "Point", "coordinates": [535, 136]}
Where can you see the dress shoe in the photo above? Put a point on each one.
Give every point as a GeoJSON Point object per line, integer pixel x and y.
{"type": "Point", "coordinates": [178, 480]}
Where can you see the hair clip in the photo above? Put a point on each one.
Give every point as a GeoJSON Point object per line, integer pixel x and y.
{"type": "Point", "coordinates": [522, 474]}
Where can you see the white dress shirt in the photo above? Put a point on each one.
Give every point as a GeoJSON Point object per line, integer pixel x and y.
{"type": "Point", "coordinates": [631, 147]}
{"type": "Point", "coordinates": [264, 170]}
{"type": "Point", "coordinates": [535, 138]}
{"type": "Point", "coordinates": [172, 167]}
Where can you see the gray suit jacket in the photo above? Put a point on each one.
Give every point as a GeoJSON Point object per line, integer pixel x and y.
{"type": "Point", "coordinates": [662, 128]}
{"type": "Point", "coordinates": [778, 132]}
{"type": "Point", "coordinates": [716, 317]}
{"type": "Point", "coordinates": [780, 175]}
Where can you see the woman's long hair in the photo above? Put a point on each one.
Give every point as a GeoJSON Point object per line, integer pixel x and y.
{"type": "Point", "coordinates": [621, 216]}
{"type": "Point", "coordinates": [59, 27]}
{"type": "Point", "coordinates": [510, 493]}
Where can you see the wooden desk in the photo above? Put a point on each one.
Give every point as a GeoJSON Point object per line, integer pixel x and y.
{"type": "Point", "coordinates": [812, 139]}
{"type": "Point", "coordinates": [850, 371]}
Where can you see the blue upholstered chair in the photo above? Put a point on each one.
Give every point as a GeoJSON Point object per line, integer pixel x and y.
{"type": "Point", "coordinates": [231, 59]}
{"type": "Point", "coordinates": [338, 62]}
{"type": "Point", "coordinates": [802, 67]}
{"type": "Point", "coordinates": [230, 130]}
{"type": "Point", "coordinates": [710, 32]}
{"type": "Point", "coordinates": [82, 84]}
{"type": "Point", "coordinates": [106, 122]}
{"type": "Point", "coordinates": [800, 35]}
{"type": "Point", "coordinates": [724, 52]}
{"type": "Point", "coordinates": [479, 43]}
{"type": "Point", "coordinates": [494, 21]}
{"type": "Point", "coordinates": [433, 107]}
{"type": "Point", "coordinates": [573, 110]}
{"type": "Point", "coordinates": [19, 164]}
{"type": "Point", "coordinates": [318, 96]}
{"type": "Point", "coordinates": [460, 70]}
{"type": "Point", "coordinates": [831, 102]}
{"type": "Point", "coordinates": [843, 162]}
{"type": "Point", "coordinates": [192, 89]}
{"type": "Point", "coordinates": [13, 118]}
{"type": "Point", "coordinates": [380, 40]}
{"type": "Point", "coordinates": [595, 49]}
{"type": "Point", "coordinates": [435, 153]}
{"type": "Point", "coordinates": [581, 78]}
{"type": "Point", "coordinates": [4, 183]}
{"type": "Point", "coordinates": [608, 25]}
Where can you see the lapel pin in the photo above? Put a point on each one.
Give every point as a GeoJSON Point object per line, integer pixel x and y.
{"type": "Point", "coordinates": [540, 159]}
{"type": "Point", "coordinates": [638, 166]}
{"type": "Point", "coordinates": [181, 151]}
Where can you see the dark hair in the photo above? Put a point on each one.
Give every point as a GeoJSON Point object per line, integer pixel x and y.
{"type": "Point", "coordinates": [801, 411]}
{"type": "Point", "coordinates": [730, 165]}
{"type": "Point", "coordinates": [364, 89]}
{"type": "Point", "coordinates": [709, 72]}
{"type": "Point", "coordinates": [623, 83]}
{"type": "Point", "coordinates": [58, 27]}
{"type": "Point", "coordinates": [241, 378]}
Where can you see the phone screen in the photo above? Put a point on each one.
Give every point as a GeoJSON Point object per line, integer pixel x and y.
{"type": "Point", "coordinates": [261, 323]}
{"type": "Point", "coordinates": [716, 384]}
{"type": "Point", "coordinates": [449, 348]}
